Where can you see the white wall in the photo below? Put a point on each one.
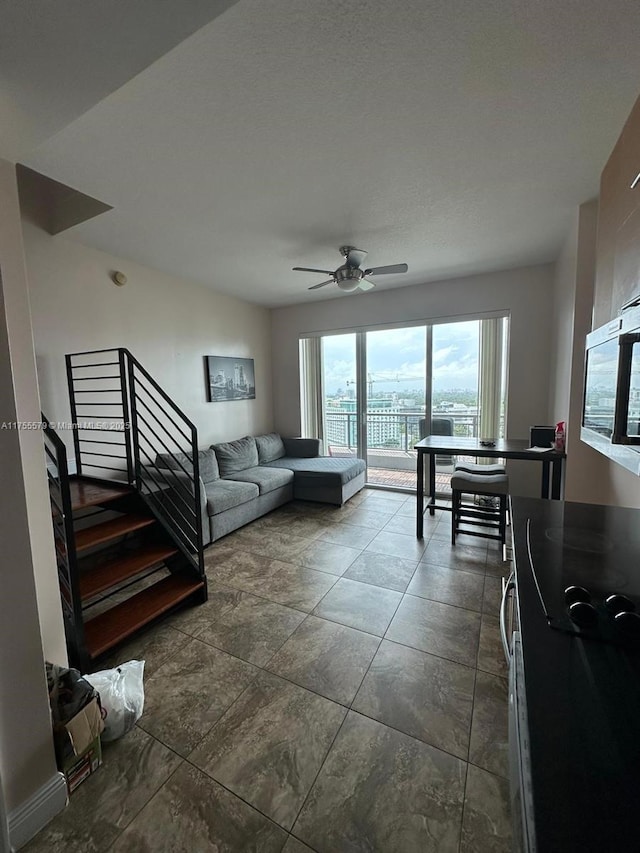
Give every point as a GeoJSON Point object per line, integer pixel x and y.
{"type": "Point", "coordinates": [169, 324]}
{"type": "Point", "coordinates": [525, 293]}
{"type": "Point", "coordinates": [26, 750]}
{"type": "Point", "coordinates": [586, 470]}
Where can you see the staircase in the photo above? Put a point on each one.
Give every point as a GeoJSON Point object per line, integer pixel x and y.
{"type": "Point", "coordinates": [128, 551]}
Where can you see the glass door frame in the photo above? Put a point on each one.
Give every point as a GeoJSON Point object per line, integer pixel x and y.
{"type": "Point", "coordinates": [361, 367]}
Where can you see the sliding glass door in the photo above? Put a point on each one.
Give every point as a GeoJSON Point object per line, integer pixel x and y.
{"type": "Point", "coordinates": [374, 393]}
{"type": "Point", "coordinates": [340, 395]}
{"type": "Point", "coordinates": [395, 403]}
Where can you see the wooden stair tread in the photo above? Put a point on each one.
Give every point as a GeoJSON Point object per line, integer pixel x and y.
{"type": "Point", "coordinates": [85, 493]}
{"type": "Point", "coordinates": [120, 569]}
{"type": "Point", "coordinates": [107, 530]}
{"type": "Point", "coordinates": [105, 631]}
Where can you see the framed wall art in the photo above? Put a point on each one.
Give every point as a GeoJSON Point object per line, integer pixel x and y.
{"type": "Point", "coordinates": [229, 379]}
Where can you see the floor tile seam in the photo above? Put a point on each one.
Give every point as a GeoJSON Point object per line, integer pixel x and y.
{"type": "Point", "coordinates": [435, 601]}
{"type": "Point", "coordinates": [304, 687]}
{"type": "Point", "coordinates": [345, 706]}
{"type": "Point", "coordinates": [473, 710]}
{"type": "Point", "coordinates": [156, 791]}
{"type": "Point", "coordinates": [255, 595]}
{"type": "Point", "coordinates": [306, 843]}
{"type": "Point", "coordinates": [343, 624]}
{"type": "Point", "coordinates": [322, 763]}
{"type": "Point", "coordinates": [251, 546]}
{"type": "Point", "coordinates": [436, 565]}
{"type": "Point", "coordinates": [369, 511]}
{"type": "Point", "coordinates": [439, 601]}
{"type": "Point", "coordinates": [464, 803]}
{"type": "Point", "coordinates": [491, 772]}
{"type": "Point", "coordinates": [170, 656]}
{"type": "Point", "coordinates": [413, 737]}
{"type": "Point", "coordinates": [384, 554]}
{"type": "Point", "coordinates": [223, 714]}
{"type": "Point", "coordinates": [324, 571]}
{"type": "Point", "coordinates": [375, 654]}
{"type": "Point", "coordinates": [239, 797]}
{"type": "Point", "coordinates": [429, 654]}
{"type": "Point", "coordinates": [433, 654]}
{"type": "Point", "coordinates": [374, 585]}
{"type": "Point", "coordinates": [264, 597]}
{"type": "Point", "coordinates": [263, 668]}
{"type": "Point", "coordinates": [486, 671]}
{"type": "Point", "coordinates": [504, 677]}
{"type": "Point", "coordinates": [480, 574]}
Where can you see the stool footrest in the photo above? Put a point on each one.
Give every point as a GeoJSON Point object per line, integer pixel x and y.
{"type": "Point", "coordinates": [465, 515]}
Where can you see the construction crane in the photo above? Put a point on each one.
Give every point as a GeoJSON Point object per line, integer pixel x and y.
{"type": "Point", "coordinates": [372, 378]}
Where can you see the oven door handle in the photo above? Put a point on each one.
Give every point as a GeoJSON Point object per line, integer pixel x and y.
{"type": "Point", "coordinates": [506, 589]}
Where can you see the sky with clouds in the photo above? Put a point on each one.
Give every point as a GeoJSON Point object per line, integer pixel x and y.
{"type": "Point", "coordinates": [396, 358]}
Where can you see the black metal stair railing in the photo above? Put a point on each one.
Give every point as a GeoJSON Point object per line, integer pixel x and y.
{"type": "Point", "coordinates": [64, 539]}
{"type": "Point", "coordinates": [128, 429]}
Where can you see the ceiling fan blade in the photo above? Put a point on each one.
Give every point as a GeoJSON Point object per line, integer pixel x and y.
{"type": "Point", "coordinates": [394, 268]}
{"type": "Point", "coordinates": [366, 285]}
{"type": "Point", "coordinates": [322, 284]}
{"type": "Point", "coordinates": [355, 257]}
{"type": "Point", "coordinates": [310, 269]}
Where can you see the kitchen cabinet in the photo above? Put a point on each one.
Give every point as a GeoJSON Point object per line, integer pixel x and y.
{"type": "Point", "coordinates": [618, 240]}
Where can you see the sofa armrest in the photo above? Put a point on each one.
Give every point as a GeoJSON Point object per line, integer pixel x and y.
{"type": "Point", "coordinates": [302, 448]}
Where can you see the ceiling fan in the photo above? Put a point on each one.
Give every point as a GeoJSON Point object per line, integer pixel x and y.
{"type": "Point", "coordinates": [350, 276]}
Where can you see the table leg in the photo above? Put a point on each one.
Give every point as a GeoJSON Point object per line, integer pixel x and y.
{"type": "Point", "coordinates": [420, 496]}
{"type": "Point", "coordinates": [432, 483]}
{"type": "Point", "coordinates": [544, 491]}
{"type": "Point", "coordinates": [556, 483]}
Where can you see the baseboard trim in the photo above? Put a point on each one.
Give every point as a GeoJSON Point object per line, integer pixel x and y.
{"type": "Point", "coordinates": [29, 818]}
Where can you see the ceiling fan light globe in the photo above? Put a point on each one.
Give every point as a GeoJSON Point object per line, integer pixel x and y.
{"type": "Point", "coordinates": [348, 285]}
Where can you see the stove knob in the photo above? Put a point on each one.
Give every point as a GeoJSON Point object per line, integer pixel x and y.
{"type": "Point", "coordinates": [583, 614]}
{"type": "Point", "coordinates": [629, 625]}
{"type": "Point", "coordinates": [576, 593]}
{"type": "Point", "coordinates": [619, 604]}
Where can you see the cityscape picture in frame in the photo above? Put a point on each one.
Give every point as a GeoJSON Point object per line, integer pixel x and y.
{"type": "Point", "coordinates": [230, 379]}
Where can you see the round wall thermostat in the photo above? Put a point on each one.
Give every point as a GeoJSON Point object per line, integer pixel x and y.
{"type": "Point", "coordinates": [119, 278]}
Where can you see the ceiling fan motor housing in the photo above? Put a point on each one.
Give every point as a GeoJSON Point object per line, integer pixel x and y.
{"type": "Point", "coordinates": [348, 278]}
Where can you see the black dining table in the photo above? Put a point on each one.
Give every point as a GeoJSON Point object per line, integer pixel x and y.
{"type": "Point", "coordinates": [551, 460]}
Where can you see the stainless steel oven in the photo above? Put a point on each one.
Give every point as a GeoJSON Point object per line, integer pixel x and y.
{"type": "Point", "coordinates": [519, 749]}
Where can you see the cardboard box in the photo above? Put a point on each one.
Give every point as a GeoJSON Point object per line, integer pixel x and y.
{"type": "Point", "coordinates": [83, 732]}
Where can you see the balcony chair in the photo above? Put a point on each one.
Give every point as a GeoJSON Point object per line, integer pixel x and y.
{"type": "Point", "coordinates": [466, 516]}
{"type": "Point", "coordinates": [439, 426]}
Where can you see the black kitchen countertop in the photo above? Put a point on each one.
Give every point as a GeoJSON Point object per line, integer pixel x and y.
{"type": "Point", "coordinates": [583, 705]}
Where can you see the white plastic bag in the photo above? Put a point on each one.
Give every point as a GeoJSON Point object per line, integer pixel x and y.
{"type": "Point", "coordinates": [121, 696]}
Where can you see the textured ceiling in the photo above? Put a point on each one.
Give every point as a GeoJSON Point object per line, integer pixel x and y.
{"type": "Point", "coordinates": [57, 59]}
{"type": "Point", "coordinates": [457, 137]}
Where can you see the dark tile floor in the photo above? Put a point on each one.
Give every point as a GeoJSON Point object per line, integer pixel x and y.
{"type": "Point", "coordinates": [342, 690]}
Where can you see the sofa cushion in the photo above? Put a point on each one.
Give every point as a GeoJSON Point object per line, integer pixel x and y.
{"type": "Point", "coordinates": [207, 463]}
{"type": "Point", "coordinates": [266, 479]}
{"type": "Point", "coordinates": [270, 447]}
{"type": "Point", "coordinates": [325, 469]}
{"type": "Point", "coordinates": [225, 494]}
{"type": "Point", "coordinates": [299, 448]}
{"type": "Point", "coordinates": [236, 455]}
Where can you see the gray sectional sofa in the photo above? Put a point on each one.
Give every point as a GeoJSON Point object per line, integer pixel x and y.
{"type": "Point", "coordinates": [244, 479]}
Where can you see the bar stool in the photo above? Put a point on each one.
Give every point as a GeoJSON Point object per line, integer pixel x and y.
{"type": "Point", "coordinates": [476, 468]}
{"type": "Point", "coordinates": [494, 518]}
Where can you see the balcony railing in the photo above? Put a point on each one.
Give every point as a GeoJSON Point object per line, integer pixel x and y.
{"type": "Point", "coordinates": [389, 432]}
